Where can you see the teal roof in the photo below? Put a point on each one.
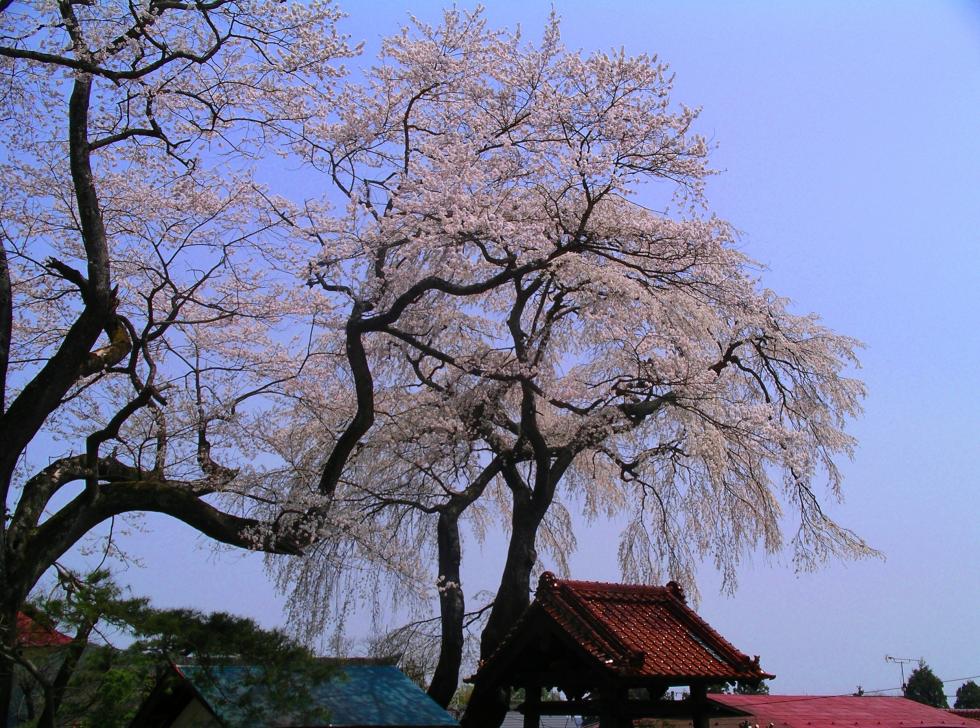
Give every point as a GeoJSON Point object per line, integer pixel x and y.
{"type": "Point", "coordinates": [357, 695]}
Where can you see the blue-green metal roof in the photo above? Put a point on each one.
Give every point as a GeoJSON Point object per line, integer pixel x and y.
{"type": "Point", "coordinates": [356, 695]}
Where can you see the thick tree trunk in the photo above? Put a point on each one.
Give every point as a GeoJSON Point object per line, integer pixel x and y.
{"type": "Point", "coordinates": [513, 594]}
{"type": "Point", "coordinates": [452, 606]}
{"type": "Point", "coordinates": [60, 685]}
{"type": "Point", "coordinates": [451, 610]}
{"type": "Point", "coordinates": [6, 324]}
{"type": "Point", "coordinates": [488, 704]}
{"type": "Point", "coordinates": [8, 642]}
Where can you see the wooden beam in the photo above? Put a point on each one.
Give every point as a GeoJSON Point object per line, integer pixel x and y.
{"type": "Point", "coordinates": [553, 677]}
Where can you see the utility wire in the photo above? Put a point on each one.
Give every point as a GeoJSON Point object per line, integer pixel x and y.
{"type": "Point", "coordinates": [955, 679]}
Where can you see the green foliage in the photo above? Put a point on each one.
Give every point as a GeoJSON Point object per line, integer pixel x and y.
{"type": "Point", "coordinates": [967, 695]}
{"type": "Point", "coordinates": [461, 697]}
{"type": "Point", "coordinates": [744, 688]}
{"type": "Point", "coordinates": [518, 695]}
{"type": "Point", "coordinates": [740, 688]}
{"type": "Point", "coordinates": [924, 687]}
{"type": "Point", "coordinates": [107, 684]}
{"type": "Point", "coordinates": [107, 687]}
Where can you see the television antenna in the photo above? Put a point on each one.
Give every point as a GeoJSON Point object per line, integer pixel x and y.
{"type": "Point", "coordinates": [901, 663]}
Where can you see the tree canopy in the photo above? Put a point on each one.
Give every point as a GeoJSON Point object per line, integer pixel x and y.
{"type": "Point", "coordinates": [504, 296]}
{"type": "Point", "coordinates": [596, 340]}
{"type": "Point", "coordinates": [967, 695]}
{"type": "Point", "coordinates": [924, 687]}
{"type": "Point", "coordinates": [151, 306]}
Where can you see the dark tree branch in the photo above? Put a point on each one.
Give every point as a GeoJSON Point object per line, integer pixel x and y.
{"type": "Point", "coordinates": [44, 393]}
{"type": "Point", "coordinates": [6, 321]}
{"type": "Point", "coordinates": [176, 499]}
{"type": "Point", "coordinates": [363, 417]}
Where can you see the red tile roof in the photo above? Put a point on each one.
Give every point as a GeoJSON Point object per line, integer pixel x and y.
{"type": "Point", "coordinates": [31, 633]}
{"type": "Point", "coordinates": [809, 711]}
{"type": "Point", "coordinates": [636, 631]}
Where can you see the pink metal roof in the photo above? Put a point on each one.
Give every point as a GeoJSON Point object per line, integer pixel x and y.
{"type": "Point", "coordinates": [814, 711]}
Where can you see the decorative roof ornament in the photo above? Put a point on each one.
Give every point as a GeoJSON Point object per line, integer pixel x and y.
{"type": "Point", "coordinates": [548, 581]}
{"type": "Point", "coordinates": [677, 590]}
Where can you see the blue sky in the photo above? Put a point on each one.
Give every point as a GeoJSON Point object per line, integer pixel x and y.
{"type": "Point", "coordinates": [848, 139]}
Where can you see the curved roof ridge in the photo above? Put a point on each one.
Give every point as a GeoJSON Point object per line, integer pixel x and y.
{"type": "Point", "coordinates": [670, 592]}
{"type": "Point", "coordinates": [671, 596]}
{"type": "Point", "coordinates": [635, 631]}
{"type": "Point", "coordinates": [607, 585]}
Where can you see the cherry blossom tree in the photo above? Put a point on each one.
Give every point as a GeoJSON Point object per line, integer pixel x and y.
{"type": "Point", "coordinates": [521, 305]}
{"type": "Point", "coordinates": [584, 331]}
{"type": "Point", "coordinates": [149, 305]}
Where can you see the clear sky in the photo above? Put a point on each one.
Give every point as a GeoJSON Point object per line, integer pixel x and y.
{"type": "Point", "coordinates": [849, 139]}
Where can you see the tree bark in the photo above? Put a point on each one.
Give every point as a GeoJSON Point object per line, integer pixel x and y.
{"type": "Point", "coordinates": [8, 637]}
{"type": "Point", "coordinates": [6, 324]}
{"type": "Point", "coordinates": [60, 684]}
{"type": "Point", "coordinates": [452, 607]}
{"type": "Point", "coordinates": [489, 704]}
{"type": "Point", "coordinates": [513, 594]}
{"type": "Point", "coordinates": [44, 393]}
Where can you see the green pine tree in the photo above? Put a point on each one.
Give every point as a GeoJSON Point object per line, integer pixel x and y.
{"type": "Point", "coordinates": [98, 684]}
{"type": "Point", "coordinates": [924, 687]}
{"type": "Point", "coordinates": [967, 695]}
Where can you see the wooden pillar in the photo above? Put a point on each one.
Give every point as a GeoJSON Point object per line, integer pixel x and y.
{"type": "Point", "coordinates": [613, 713]}
{"type": "Point", "coordinates": [607, 719]}
{"type": "Point", "coordinates": [532, 705]}
{"type": "Point", "coordinates": [699, 705]}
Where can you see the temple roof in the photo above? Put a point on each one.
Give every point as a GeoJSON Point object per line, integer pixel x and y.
{"type": "Point", "coordinates": [630, 630]}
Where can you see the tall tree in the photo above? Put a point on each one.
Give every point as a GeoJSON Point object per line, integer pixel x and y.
{"type": "Point", "coordinates": [596, 338]}
{"type": "Point", "coordinates": [154, 340]}
{"type": "Point", "coordinates": [924, 687]}
{"type": "Point", "coordinates": [148, 293]}
{"type": "Point", "coordinates": [967, 695]}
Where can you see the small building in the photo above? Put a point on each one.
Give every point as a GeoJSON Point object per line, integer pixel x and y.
{"type": "Point", "coordinates": [33, 635]}
{"type": "Point", "coordinates": [45, 647]}
{"type": "Point", "coordinates": [358, 694]}
{"type": "Point", "coordinates": [614, 650]}
{"type": "Point", "coordinates": [813, 711]}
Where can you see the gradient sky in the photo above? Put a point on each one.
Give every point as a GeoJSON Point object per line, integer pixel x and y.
{"type": "Point", "coordinates": [849, 139]}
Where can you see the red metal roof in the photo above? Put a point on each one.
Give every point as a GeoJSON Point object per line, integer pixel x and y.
{"type": "Point", "coordinates": [637, 631]}
{"type": "Point", "coordinates": [31, 633]}
{"type": "Point", "coordinates": [811, 711]}
{"type": "Point", "coordinates": [973, 713]}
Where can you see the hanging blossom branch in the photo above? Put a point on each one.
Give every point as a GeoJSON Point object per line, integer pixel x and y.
{"type": "Point", "coordinates": [527, 240]}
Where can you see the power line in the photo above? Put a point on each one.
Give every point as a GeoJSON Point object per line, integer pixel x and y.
{"type": "Point", "coordinates": [955, 679]}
